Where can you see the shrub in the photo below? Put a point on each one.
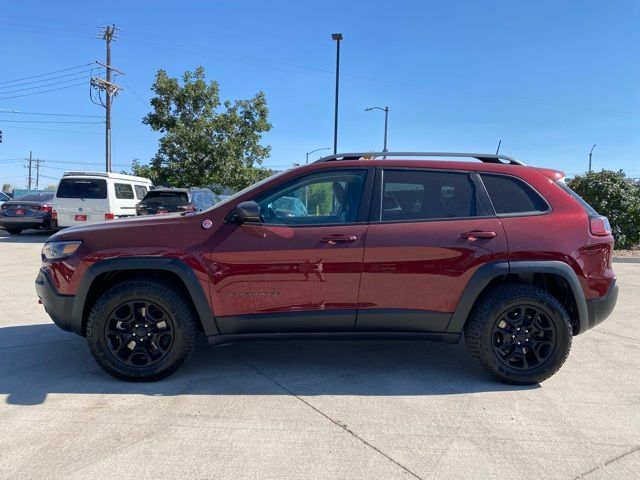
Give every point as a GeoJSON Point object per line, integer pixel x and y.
{"type": "Point", "coordinates": [614, 195]}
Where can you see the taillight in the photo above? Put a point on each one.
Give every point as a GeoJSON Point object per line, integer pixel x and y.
{"type": "Point", "coordinates": [54, 215]}
{"type": "Point", "coordinates": [187, 208]}
{"type": "Point", "coordinates": [599, 226]}
{"type": "Point", "coordinates": [109, 216]}
{"type": "Point", "coordinates": [44, 208]}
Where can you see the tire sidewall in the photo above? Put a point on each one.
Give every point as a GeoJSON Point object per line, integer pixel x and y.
{"type": "Point", "coordinates": [551, 364]}
{"type": "Point", "coordinates": [98, 321]}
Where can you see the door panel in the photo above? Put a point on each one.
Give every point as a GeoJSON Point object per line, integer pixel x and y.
{"type": "Point", "coordinates": [420, 270]}
{"type": "Point", "coordinates": [276, 278]}
{"type": "Point", "coordinates": [430, 232]}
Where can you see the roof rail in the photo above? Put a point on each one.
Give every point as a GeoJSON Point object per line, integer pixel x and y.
{"type": "Point", "coordinates": [483, 157]}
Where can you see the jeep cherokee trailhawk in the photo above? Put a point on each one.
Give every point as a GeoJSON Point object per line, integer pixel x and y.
{"type": "Point", "coordinates": [502, 254]}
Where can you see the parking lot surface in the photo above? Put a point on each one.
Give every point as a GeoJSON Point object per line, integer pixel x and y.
{"type": "Point", "coordinates": [298, 410]}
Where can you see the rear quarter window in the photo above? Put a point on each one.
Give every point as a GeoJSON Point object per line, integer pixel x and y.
{"type": "Point", "coordinates": [512, 196]}
{"type": "Point", "coordinates": [124, 191]}
{"type": "Point", "coordinates": [141, 191]}
{"type": "Point", "coordinates": [93, 188]}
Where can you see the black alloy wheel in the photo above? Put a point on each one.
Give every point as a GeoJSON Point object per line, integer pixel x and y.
{"type": "Point", "coordinates": [523, 337]}
{"type": "Point", "coordinates": [519, 333]}
{"type": "Point", "coordinates": [142, 329]}
{"type": "Point", "coordinates": [139, 333]}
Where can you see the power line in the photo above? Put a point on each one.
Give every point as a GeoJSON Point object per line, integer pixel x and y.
{"type": "Point", "coordinates": [45, 85]}
{"type": "Point", "coordinates": [48, 121]}
{"type": "Point", "coordinates": [45, 74]}
{"type": "Point", "coordinates": [51, 114]}
{"type": "Point", "coordinates": [53, 130]}
{"type": "Point", "coordinates": [53, 78]}
{"type": "Point", "coordinates": [44, 91]}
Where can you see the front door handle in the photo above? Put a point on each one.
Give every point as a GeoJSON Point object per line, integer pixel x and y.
{"type": "Point", "coordinates": [334, 239]}
{"type": "Point", "coordinates": [473, 234]}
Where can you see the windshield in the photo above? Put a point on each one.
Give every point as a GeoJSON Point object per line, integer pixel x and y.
{"type": "Point", "coordinates": [82, 188]}
{"type": "Point", "coordinates": [36, 197]}
{"type": "Point", "coordinates": [245, 190]}
{"type": "Point", "coordinates": [3, 197]}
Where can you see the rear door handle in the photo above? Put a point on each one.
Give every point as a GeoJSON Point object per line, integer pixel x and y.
{"type": "Point", "coordinates": [473, 234]}
{"type": "Point", "coordinates": [333, 239]}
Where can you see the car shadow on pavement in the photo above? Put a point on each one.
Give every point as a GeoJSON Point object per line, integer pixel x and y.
{"type": "Point", "coordinates": [27, 236]}
{"type": "Point", "coordinates": [38, 360]}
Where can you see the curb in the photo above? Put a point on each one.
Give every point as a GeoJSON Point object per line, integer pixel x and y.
{"type": "Point", "coordinates": [626, 259]}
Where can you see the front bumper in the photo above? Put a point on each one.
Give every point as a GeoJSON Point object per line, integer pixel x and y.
{"type": "Point", "coordinates": [600, 308]}
{"type": "Point", "coordinates": [59, 307]}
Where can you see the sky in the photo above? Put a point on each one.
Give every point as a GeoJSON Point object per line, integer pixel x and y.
{"type": "Point", "coordinates": [548, 78]}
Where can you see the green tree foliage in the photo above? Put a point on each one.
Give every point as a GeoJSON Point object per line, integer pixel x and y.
{"type": "Point", "coordinates": [204, 141]}
{"type": "Point", "coordinates": [614, 195]}
{"type": "Point", "coordinates": [6, 187]}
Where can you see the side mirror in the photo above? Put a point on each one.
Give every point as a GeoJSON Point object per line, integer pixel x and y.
{"type": "Point", "coordinates": [245, 212]}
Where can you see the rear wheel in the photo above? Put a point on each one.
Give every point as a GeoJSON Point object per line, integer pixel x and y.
{"type": "Point", "coordinates": [14, 231]}
{"type": "Point", "coordinates": [519, 333]}
{"type": "Point", "coordinates": [141, 330]}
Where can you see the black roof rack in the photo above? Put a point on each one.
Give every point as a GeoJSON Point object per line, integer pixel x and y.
{"type": "Point", "coordinates": [483, 157]}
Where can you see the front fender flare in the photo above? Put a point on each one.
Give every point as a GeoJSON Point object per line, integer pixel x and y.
{"type": "Point", "coordinates": [173, 265]}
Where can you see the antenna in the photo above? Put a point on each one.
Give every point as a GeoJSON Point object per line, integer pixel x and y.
{"type": "Point", "coordinates": [498, 149]}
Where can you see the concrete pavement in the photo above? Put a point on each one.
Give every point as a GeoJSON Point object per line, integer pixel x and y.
{"type": "Point", "coordinates": [307, 410]}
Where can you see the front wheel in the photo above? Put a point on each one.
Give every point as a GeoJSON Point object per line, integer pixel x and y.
{"type": "Point", "coordinates": [141, 330]}
{"type": "Point", "coordinates": [519, 333]}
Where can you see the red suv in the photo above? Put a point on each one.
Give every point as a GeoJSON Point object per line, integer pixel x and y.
{"type": "Point", "coordinates": [503, 253]}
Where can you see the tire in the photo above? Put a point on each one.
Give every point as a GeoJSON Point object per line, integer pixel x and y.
{"type": "Point", "coordinates": [14, 231]}
{"type": "Point", "coordinates": [511, 319]}
{"type": "Point", "coordinates": [150, 313]}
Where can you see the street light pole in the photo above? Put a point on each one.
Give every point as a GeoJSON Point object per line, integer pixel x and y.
{"type": "Point", "coordinates": [338, 38]}
{"type": "Point", "coordinates": [386, 123]}
{"type": "Point", "coordinates": [314, 151]}
{"type": "Point", "coordinates": [590, 153]}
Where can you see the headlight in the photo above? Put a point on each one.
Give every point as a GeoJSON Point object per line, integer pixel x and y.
{"type": "Point", "coordinates": [59, 250]}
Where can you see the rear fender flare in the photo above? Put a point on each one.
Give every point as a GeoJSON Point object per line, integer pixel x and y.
{"type": "Point", "coordinates": [485, 274]}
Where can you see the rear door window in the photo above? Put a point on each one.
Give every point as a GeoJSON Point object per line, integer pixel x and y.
{"type": "Point", "coordinates": [512, 196]}
{"type": "Point", "coordinates": [86, 188]}
{"type": "Point", "coordinates": [166, 198]}
{"type": "Point", "coordinates": [427, 195]}
{"type": "Point", "coordinates": [124, 191]}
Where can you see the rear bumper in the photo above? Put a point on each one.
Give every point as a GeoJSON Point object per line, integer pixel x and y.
{"type": "Point", "coordinates": [59, 307]}
{"type": "Point", "coordinates": [600, 308]}
{"type": "Point", "coordinates": [24, 222]}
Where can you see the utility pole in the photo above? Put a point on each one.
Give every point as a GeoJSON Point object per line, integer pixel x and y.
{"type": "Point", "coordinates": [590, 153]}
{"type": "Point", "coordinates": [110, 89]}
{"type": "Point", "coordinates": [38, 162]}
{"type": "Point", "coordinates": [30, 160]}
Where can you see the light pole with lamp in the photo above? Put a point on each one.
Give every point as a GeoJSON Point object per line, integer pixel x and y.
{"type": "Point", "coordinates": [590, 153]}
{"type": "Point", "coordinates": [338, 38]}
{"type": "Point", "coordinates": [314, 151]}
{"type": "Point", "coordinates": [386, 123]}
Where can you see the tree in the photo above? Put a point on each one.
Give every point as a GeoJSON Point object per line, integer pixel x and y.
{"type": "Point", "coordinates": [205, 142]}
{"type": "Point", "coordinates": [614, 195]}
{"type": "Point", "coordinates": [6, 187]}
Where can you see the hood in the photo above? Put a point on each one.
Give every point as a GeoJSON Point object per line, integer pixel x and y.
{"type": "Point", "coordinates": [123, 225]}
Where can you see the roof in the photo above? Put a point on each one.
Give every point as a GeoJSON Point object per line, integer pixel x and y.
{"type": "Point", "coordinates": [483, 157]}
{"type": "Point", "coordinates": [116, 176]}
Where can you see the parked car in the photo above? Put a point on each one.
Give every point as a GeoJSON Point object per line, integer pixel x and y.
{"type": "Point", "coordinates": [503, 253]}
{"type": "Point", "coordinates": [4, 198]}
{"type": "Point", "coordinates": [27, 211]}
{"type": "Point", "coordinates": [167, 200]}
{"type": "Point", "coordinates": [91, 197]}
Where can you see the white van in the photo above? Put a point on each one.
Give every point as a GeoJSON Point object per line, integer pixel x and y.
{"type": "Point", "coordinates": [91, 197]}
